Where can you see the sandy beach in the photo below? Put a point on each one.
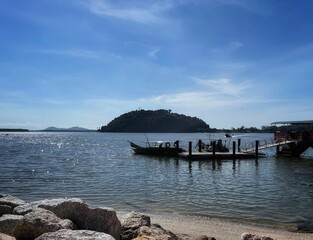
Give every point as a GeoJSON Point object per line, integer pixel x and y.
{"type": "Point", "coordinates": [221, 229]}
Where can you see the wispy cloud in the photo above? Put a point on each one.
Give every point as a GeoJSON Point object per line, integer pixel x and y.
{"type": "Point", "coordinates": [256, 7]}
{"type": "Point", "coordinates": [224, 86]}
{"type": "Point", "coordinates": [81, 53]}
{"type": "Point", "coordinates": [228, 48]}
{"type": "Point", "coordinates": [149, 49]}
{"type": "Point", "coordinates": [154, 52]}
{"type": "Point", "coordinates": [142, 13]}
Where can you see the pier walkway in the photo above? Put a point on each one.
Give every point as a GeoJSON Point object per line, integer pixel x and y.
{"type": "Point", "coordinates": [217, 155]}
{"type": "Point", "coordinates": [264, 144]}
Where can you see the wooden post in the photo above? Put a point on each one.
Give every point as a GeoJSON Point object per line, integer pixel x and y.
{"type": "Point", "coordinates": [257, 148]}
{"type": "Point", "coordinates": [234, 148]}
{"type": "Point", "coordinates": [200, 145]}
{"type": "Point", "coordinates": [213, 147]}
{"type": "Point", "coordinates": [190, 149]}
{"type": "Point", "coordinates": [277, 150]}
{"type": "Point", "coordinates": [239, 143]}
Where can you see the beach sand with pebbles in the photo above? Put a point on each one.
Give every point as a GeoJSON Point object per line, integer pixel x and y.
{"type": "Point", "coordinates": [222, 229]}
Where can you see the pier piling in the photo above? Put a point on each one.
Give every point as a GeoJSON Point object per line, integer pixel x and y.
{"type": "Point", "coordinates": [213, 148]}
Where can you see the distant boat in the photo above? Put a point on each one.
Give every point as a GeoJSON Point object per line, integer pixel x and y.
{"type": "Point", "coordinates": [158, 148]}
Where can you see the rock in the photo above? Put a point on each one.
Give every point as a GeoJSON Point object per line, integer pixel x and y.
{"type": "Point", "coordinates": [8, 223]}
{"type": "Point", "coordinates": [249, 236]}
{"type": "Point", "coordinates": [6, 237]}
{"type": "Point", "coordinates": [155, 232]}
{"type": "Point", "coordinates": [5, 209]}
{"type": "Point", "coordinates": [11, 201]}
{"type": "Point", "coordinates": [57, 206]}
{"type": "Point", "coordinates": [75, 234]}
{"type": "Point", "coordinates": [83, 215]}
{"type": "Point", "coordinates": [131, 223]}
{"type": "Point", "coordinates": [204, 237]}
{"type": "Point", "coordinates": [33, 224]}
{"type": "Point", "coordinates": [41, 221]}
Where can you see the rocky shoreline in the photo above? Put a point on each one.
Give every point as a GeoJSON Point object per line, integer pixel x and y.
{"type": "Point", "coordinates": [72, 218]}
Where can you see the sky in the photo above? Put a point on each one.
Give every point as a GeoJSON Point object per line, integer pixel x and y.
{"type": "Point", "coordinates": [231, 63]}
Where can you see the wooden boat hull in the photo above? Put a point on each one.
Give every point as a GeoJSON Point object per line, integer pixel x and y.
{"type": "Point", "coordinates": [156, 151]}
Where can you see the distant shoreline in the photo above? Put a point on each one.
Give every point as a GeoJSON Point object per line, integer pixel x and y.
{"type": "Point", "coordinates": [27, 130]}
{"type": "Point", "coordinates": [13, 130]}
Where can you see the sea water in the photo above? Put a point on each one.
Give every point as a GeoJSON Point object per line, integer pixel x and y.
{"type": "Point", "coordinates": [102, 169]}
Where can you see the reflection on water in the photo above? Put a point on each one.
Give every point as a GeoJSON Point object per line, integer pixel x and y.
{"type": "Point", "coordinates": [102, 169]}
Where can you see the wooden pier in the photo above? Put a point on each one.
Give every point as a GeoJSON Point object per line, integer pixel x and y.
{"type": "Point", "coordinates": [294, 138]}
{"type": "Point", "coordinates": [217, 155]}
{"type": "Point", "coordinates": [214, 155]}
{"type": "Point", "coordinates": [268, 144]}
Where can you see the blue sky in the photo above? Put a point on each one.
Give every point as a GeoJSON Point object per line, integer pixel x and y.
{"type": "Point", "coordinates": [82, 63]}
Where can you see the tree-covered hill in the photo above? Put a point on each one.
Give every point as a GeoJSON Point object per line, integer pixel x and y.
{"type": "Point", "coordinates": [155, 121]}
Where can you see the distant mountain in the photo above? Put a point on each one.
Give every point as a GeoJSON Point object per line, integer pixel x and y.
{"type": "Point", "coordinates": [161, 121]}
{"type": "Point", "coordinates": [72, 129]}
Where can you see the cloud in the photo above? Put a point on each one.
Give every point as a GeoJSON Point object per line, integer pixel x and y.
{"type": "Point", "coordinates": [149, 49]}
{"type": "Point", "coordinates": [142, 13]}
{"type": "Point", "coordinates": [214, 93]}
{"type": "Point", "coordinates": [235, 45]}
{"type": "Point", "coordinates": [228, 48]}
{"type": "Point", "coordinates": [224, 86]}
{"type": "Point", "coordinates": [154, 52]}
{"type": "Point", "coordinates": [81, 53]}
{"type": "Point", "coordinates": [256, 7]}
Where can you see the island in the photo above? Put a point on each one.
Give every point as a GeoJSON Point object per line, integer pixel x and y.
{"type": "Point", "coordinates": [158, 121]}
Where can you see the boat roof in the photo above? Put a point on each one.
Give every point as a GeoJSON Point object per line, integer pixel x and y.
{"type": "Point", "coordinates": [304, 122]}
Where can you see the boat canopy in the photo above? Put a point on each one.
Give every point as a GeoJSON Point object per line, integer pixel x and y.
{"type": "Point", "coordinates": [305, 122]}
{"type": "Point", "coordinates": [296, 126]}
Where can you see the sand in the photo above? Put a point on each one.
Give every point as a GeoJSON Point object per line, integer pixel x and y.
{"type": "Point", "coordinates": [221, 229]}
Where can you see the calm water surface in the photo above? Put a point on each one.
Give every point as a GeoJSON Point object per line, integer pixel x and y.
{"type": "Point", "coordinates": [102, 169]}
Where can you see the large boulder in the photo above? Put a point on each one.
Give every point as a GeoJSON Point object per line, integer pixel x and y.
{"type": "Point", "coordinates": [5, 209]}
{"type": "Point", "coordinates": [75, 234]}
{"type": "Point", "coordinates": [84, 216]}
{"type": "Point", "coordinates": [33, 224]}
{"type": "Point", "coordinates": [8, 223]}
{"type": "Point", "coordinates": [131, 223]}
{"type": "Point", "coordinates": [8, 202]}
{"type": "Point", "coordinates": [57, 205]}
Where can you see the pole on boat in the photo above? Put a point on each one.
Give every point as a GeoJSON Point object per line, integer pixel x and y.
{"type": "Point", "coordinates": [176, 144]}
{"type": "Point", "coordinates": [190, 149]}
{"type": "Point", "coordinates": [234, 148]}
{"type": "Point", "coordinates": [213, 147]}
{"type": "Point", "coordinates": [200, 145]}
{"type": "Point", "coordinates": [257, 148]}
{"type": "Point", "coordinates": [147, 140]}
{"type": "Point", "coordinates": [239, 143]}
